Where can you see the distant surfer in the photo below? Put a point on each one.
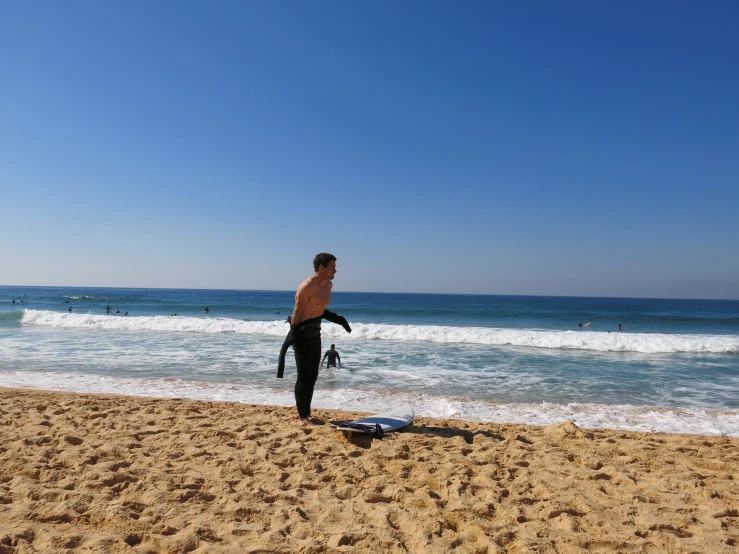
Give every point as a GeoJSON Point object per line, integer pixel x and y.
{"type": "Point", "coordinates": [579, 324]}
{"type": "Point", "coordinates": [207, 309]}
{"type": "Point", "coordinates": [620, 327]}
{"type": "Point", "coordinates": [107, 309]}
{"type": "Point", "coordinates": [13, 302]}
{"type": "Point", "coordinates": [332, 356]}
{"type": "Point", "coordinates": [311, 300]}
{"type": "Point", "coordinates": [70, 309]}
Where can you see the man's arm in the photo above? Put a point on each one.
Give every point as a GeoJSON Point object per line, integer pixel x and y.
{"type": "Point", "coordinates": [338, 357]}
{"type": "Point", "coordinates": [324, 357]}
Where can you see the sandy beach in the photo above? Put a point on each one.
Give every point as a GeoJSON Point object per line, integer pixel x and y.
{"type": "Point", "coordinates": [104, 473]}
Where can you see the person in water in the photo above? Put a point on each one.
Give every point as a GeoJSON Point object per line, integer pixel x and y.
{"type": "Point", "coordinates": [311, 300]}
{"type": "Point", "coordinates": [332, 356]}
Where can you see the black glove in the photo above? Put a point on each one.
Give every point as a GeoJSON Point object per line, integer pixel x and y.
{"type": "Point", "coordinates": [339, 320]}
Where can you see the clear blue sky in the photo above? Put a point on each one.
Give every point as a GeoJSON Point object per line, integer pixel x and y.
{"type": "Point", "coordinates": [564, 148]}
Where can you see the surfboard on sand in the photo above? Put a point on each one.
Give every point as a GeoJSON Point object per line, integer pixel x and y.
{"type": "Point", "coordinates": [379, 424]}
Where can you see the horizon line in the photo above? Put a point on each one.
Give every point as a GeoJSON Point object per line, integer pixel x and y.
{"type": "Point", "coordinates": [376, 292]}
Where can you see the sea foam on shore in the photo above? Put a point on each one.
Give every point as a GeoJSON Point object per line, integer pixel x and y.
{"type": "Point", "coordinates": [697, 420]}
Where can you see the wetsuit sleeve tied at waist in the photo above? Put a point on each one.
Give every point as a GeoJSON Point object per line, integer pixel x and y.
{"type": "Point", "coordinates": [290, 338]}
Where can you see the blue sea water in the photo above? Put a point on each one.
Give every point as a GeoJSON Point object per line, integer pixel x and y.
{"type": "Point", "coordinates": [508, 359]}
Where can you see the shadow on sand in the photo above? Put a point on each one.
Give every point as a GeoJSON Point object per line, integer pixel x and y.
{"type": "Point", "coordinates": [365, 441]}
{"type": "Point", "coordinates": [449, 432]}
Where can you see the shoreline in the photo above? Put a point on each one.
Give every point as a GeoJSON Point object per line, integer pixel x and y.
{"type": "Point", "coordinates": [82, 472]}
{"type": "Point", "coordinates": [624, 417]}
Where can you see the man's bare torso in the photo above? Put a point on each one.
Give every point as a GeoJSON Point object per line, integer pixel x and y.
{"type": "Point", "coordinates": [312, 299]}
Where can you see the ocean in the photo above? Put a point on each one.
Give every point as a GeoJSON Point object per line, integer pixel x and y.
{"type": "Point", "coordinates": [506, 359]}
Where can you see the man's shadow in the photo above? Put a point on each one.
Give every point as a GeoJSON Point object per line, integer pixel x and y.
{"type": "Point", "coordinates": [450, 432]}
{"type": "Point", "coordinates": [365, 441]}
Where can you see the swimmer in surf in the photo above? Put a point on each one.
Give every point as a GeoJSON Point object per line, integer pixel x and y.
{"type": "Point", "coordinates": [332, 356]}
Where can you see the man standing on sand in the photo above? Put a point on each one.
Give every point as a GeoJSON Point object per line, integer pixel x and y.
{"type": "Point", "coordinates": [313, 295]}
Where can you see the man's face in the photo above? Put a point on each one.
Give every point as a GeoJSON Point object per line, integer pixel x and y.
{"type": "Point", "coordinates": [330, 270]}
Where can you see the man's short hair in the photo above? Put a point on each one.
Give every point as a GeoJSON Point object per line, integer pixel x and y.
{"type": "Point", "coordinates": [333, 346]}
{"type": "Point", "coordinates": [323, 259]}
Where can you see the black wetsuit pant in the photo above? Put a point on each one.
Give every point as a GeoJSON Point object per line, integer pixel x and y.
{"type": "Point", "coordinates": [307, 348]}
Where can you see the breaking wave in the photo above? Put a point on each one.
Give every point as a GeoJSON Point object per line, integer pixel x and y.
{"type": "Point", "coordinates": [649, 343]}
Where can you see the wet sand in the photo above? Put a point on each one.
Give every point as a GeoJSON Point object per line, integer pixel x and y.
{"type": "Point", "coordinates": [104, 473]}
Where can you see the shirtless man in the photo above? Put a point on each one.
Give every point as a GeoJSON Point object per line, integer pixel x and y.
{"type": "Point", "coordinates": [313, 295]}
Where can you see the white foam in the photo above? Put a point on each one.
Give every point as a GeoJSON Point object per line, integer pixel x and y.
{"type": "Point", "coordinates": [592, 416]}
{"type": "Point", "coordinates": [648, 343]}
{"type": "Point", "coordinates": [539, 338]}
{"type": "Point", "coordinates": [176, 324]}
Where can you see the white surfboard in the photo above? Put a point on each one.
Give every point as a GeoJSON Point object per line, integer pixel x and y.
{"type": "Point", "coordinates": [392, 420]}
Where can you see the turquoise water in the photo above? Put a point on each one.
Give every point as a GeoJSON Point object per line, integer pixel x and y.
{"type": "Point", "coordinates": [675, 366]}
